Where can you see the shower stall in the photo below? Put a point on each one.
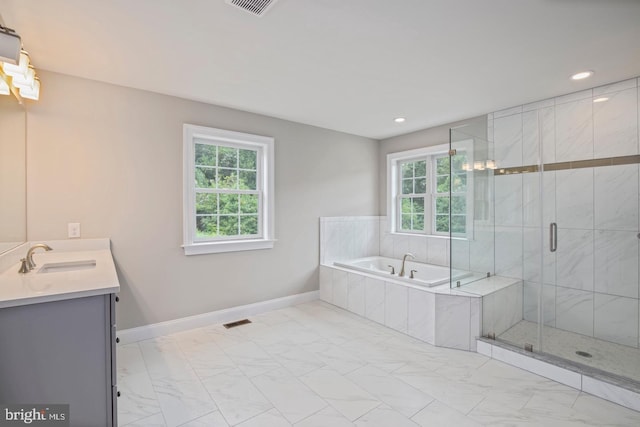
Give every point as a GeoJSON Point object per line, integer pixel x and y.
{"type": "Point", "coordinates": [544, 224]}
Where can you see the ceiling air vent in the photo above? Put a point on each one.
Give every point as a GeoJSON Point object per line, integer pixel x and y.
{"type": "Point", "coordinates": [254, 7]}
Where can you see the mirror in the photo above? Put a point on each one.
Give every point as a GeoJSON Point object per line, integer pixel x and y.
{"type": "Point", "coordinates": [13, 182]}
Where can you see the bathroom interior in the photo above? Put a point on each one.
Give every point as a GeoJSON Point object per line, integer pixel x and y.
{"type": "Point", "coordinates": [493, 227]}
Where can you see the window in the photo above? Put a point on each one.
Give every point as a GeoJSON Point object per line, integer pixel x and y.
{"type": "Point", "coordinates": [228, 191]}
{"type": "Point", "coordinates": [418, 191]}
{"type": "Point", "coordinates": [457, 203]}
{"type": "Point", "coordinates": [413, 195]}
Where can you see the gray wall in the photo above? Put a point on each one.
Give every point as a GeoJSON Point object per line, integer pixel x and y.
{"type": "Point", "coordinates": [422, 138]}
{"type": "Point", "coordinates": [111, 158]}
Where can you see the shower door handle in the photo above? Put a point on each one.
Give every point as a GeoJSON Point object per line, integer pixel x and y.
{"type": "Point", "coordinates": [553, 236]}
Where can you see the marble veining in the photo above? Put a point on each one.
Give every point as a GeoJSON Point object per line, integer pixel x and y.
{"type": "Point", "coordinates": [616, 197]}
{"type": "Point", "coordinates": [574, 198]}
{"type": "Point", "coordinates": [574, 310]}
{"type": "Point", "coordinates": [615, 319]}
{"type": "Point", "coordinates": [508, 200]}
{"type": "Point", "coordinates": [574, 130]}
{"type": "Point", "coordinates": [507, 136]}
{"type": "Point", "coordinates": [616, 263]}
{"type": "Point", "coordinates": [615, 124]}
{"type": "Point", "coordinates": [574, 266]}
{"type": "Point", "coordinates": [387, 378]}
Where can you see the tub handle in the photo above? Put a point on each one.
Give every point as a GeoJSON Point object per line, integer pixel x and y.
{"type": "Point", "coordinates": [393, 269]}
{"type": "Point", "coordinates": [553, 236]}
{"type": "Point", "coordinates": [411, 274]}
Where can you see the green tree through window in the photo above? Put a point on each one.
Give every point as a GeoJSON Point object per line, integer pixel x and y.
{"type": "Point", "coordinates": [456, 203]}
{"type": "Point", "coordinates": [226, 193]}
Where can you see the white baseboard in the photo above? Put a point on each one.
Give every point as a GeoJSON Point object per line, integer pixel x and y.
{"type": "Point", "coordinates": [221, 316]}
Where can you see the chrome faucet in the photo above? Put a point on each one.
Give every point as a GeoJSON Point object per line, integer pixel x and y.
{"type": "Point", "coordinates": [404, 258]}
{"type": "Point", "coordinates": [30, 264]}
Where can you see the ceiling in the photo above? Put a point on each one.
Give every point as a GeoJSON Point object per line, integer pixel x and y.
{"type": "Point", "coordinates": [348, 65]}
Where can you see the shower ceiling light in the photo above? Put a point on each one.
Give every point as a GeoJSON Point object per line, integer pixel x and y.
{"type": "Point", "coordinates": [399, 120]}
{"type": "Point", "coordinates": [602, 99]}
{"type": "Point", "coordinates": [582, 75]}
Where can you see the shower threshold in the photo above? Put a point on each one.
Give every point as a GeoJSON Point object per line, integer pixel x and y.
{"type": "Point", "coordinates": [621, 390]}
{"type": "Point", "coordinates": [585, 351]}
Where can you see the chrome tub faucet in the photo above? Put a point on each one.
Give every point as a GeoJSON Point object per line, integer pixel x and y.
{"type": "Point", "coordinates": [404, 258]}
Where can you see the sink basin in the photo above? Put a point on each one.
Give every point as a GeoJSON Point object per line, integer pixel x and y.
{"type": "Point", "coordinates": [58, 267]}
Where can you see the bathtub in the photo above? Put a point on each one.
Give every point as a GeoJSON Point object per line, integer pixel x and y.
{"type": "Point", "coordinates": [426, 275]}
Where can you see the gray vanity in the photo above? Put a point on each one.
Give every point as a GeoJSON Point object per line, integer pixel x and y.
{"type": "Point", "coordinates": [57, 330]}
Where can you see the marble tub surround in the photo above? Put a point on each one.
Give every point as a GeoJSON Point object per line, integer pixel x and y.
{"type": "Point", "coordinates": [37, 287]}
{"type": "Point", "coordinates": [501, 302]}
{"type": "Point", "coordinates": [438, 315]}
{"type": "Point", "coordinates": [316, 365]}
{"type": "Point", "coordinates": [349, 237]}
{"type": "Point", "coordinates": [429, 249]}
{"type": "Point", "coordinates": [343, 238]}
{"type": "Point", "coordinates": [591, 284]}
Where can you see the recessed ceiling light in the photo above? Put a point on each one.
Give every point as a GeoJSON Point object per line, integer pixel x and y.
{"type": "Point", "coordinates": [399, 120]}
{"type": "Point", "coordinates": [604, 98]}
{"type": "Point", "coordinates": [582, 75]}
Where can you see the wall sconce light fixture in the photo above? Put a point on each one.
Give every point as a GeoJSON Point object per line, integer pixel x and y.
{"type": "Point", "coordinates": [17, 74]}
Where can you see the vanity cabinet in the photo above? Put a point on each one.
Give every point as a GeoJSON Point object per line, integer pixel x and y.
{"type": "Point", "coordinates": [62, 352]}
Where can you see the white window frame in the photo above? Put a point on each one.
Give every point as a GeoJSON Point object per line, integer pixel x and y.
{"type": "Point", "coordinates": [394, 160]}
{"type": "Point", "coordinates": [265, 189]}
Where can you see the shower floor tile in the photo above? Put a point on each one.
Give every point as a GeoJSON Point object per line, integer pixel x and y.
{"type": "Point", "coordinates": [317, 365]}
{"type": "Point", "coordinates": [611, 357]}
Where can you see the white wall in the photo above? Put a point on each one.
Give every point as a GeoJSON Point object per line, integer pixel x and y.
{"type": "Point", "coordinates": [111, 158]}
{"type": "Point", "coordinates": [12, 173]}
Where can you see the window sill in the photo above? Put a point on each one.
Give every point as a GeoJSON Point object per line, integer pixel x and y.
{"type": "Point", "coordinates": [228, 246]}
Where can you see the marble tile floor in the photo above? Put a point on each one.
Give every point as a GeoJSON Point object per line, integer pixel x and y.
{"type": "Point", "coordinates": [317, 365]}
{"type": "Point", "coordinates": [618, 359]}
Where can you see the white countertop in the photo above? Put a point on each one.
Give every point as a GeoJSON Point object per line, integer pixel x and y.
{"type": "Point", "coordinates": [35, 287]}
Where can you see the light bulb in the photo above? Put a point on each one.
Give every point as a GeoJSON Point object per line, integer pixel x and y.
{"type": "Point", "coordinates": [32, 92]}
{"type": "Point", "coordinates": [491, 164]}
{"type": "Point", "coordinates": [20, 69]}
{"type": "Point", "coordinates": [478, 166]}
{"type": "Point", "coordinates": [582, 75]}
{"type": "Point", "coordinates": [26, 80]}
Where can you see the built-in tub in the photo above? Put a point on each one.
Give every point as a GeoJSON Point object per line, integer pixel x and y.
{"type": "Point", "coordinates": [427, 275]}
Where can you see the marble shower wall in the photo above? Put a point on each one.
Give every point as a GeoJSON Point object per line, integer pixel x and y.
{"type": "Point", "coordinates": [591, 281]}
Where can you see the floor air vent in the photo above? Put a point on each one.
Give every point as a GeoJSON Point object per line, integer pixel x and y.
{"type": "Point", "coordinates": [238, 323]}
{"type": "Point", "coordinates": [254, 7]}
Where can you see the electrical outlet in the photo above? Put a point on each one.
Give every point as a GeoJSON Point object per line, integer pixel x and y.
{"type": "Point", "coordinates": [74, 230]}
